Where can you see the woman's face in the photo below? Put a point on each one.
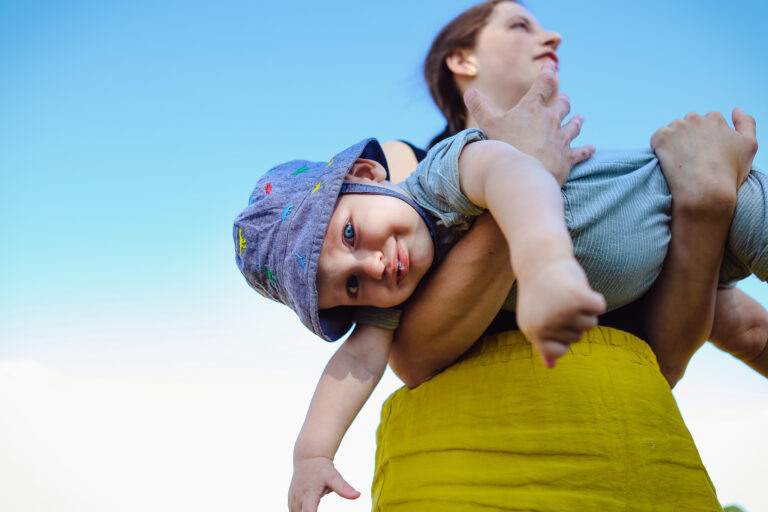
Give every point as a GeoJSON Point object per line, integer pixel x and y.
{"type": "Point", "coordinates": [509, 54]}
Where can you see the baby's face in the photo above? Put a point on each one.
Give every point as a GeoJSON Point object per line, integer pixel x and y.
{"type": "Point", "coordinates": [376, 250]}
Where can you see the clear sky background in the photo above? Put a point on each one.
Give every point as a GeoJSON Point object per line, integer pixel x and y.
{"type": "Point", "coordinates": [138, 372]}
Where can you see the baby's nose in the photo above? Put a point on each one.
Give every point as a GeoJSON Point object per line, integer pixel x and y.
{"type": "Point", "coordinates": [373, 265]}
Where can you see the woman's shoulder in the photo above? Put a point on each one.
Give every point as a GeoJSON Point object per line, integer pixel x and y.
{"type": "Point", "coordinates": [402, 158]}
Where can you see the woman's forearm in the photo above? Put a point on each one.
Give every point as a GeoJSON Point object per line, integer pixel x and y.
{"type": "Point", "coordinates": [704, 162]}
{"type": "Point", "coordinates": [680, 305]}
{"type": "Point", "coordinates": [460, 298]}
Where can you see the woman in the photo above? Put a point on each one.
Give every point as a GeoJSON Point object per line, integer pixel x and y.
{"type": "Point", "coordinates": [497, 429]}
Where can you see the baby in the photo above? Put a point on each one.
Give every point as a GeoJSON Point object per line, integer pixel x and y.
{"type": "Point", "coordinates": [339, 244]}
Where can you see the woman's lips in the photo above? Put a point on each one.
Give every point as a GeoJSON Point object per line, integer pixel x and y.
{"type": "Point", "coordinates": [402, 263]}
{"type": "Point", "coordinates": [549, 55]}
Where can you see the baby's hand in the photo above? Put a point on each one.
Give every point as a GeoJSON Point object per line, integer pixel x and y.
{"type": "Point", "coordinates": [313, 478]}
{"type": "Point", "coordinates": [555, 306]}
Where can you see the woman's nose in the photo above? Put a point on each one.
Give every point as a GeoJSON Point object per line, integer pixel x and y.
{"type": "Point", "coordinates": [552, 39]}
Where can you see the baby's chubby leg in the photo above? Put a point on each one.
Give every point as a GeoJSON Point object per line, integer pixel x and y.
{"type": "Point", "coordinates": [741, 328]}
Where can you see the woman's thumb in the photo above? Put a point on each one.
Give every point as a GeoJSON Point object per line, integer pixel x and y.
{"type": "Point", "coordinates": [743, 123]}
{"type": "Point", "coordinates": [478, 106]}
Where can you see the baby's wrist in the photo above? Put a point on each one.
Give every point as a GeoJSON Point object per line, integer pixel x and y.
{"type": "Point", "coordinates": [299, 459]}
{"type": "Point", "coordinates": [534, 267]}
{"type": "Point", "coordinates": [307, 448]}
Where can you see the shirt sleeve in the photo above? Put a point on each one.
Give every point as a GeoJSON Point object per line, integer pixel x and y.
{"type": "Point", "coordinates": [435, 186]}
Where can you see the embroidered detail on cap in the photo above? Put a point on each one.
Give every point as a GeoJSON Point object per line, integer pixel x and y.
{"type": "Point", "coordinates": [316, 187]}
{"type": "Point", "coordinates": [300, 259]}
{"type": "Point", "coordinates": [268, 188]}
{"type": "Point", "coordinates": [242, 242]}
{"type": "Point", "coordinates": [329, 163]}
{"type": "Point", "coordinates": [286, 212]}
{"type": "Point", "coordinates": [270, 275]}
{"type": "Point", "coordinates": [303, 168]}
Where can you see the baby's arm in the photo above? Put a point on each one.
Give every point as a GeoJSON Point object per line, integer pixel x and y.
{"type": "Point", "coordinates": [347, 382]}
{"type": "Point", "coordinates": [464, 293]}
{"type": "Point", "coordinates": [555, 303]}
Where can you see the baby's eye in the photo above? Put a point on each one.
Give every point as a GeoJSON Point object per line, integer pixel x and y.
{"type": "Point", "coordinates": [352, 286]}
{"type": "Point", "coordinates": [349, 234]}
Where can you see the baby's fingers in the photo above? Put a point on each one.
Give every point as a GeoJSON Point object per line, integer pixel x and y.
{"type": "Point", "coordinates": [582, 323]}
{"type": "Point", "coordinates": [307, 502]}
{"type": "Point", "coordinates": [593, 303]}
{"type": "Point", "coordinates": [310, 506]}
{"type": "Point", "coordinates": [550, 351]}
{"type": "Point", "coordinates": [340, 486]}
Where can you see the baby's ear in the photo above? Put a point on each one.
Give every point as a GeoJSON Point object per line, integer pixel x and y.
{"type": "Point", "coordinates": [367, 170]}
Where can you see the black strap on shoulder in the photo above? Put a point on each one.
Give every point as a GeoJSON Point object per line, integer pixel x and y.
{"type": "Point", "coordinates": [419, 153]}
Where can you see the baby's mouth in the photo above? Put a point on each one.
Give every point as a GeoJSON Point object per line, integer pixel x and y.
{"type": "Point", "coordinates": [402, 263]}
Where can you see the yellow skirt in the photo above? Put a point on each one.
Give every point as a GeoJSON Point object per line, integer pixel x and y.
{"type": "Point", "coordinates": [500, 431]}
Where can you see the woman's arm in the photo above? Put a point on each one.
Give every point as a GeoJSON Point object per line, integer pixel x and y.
{"type": "Point", "coordinates": [704, 162]}
{"type": "Point", "coordinates": [460, 297]}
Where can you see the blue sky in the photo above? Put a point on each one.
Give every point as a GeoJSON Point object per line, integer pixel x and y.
{"type": "Point", "coordinates": [131, 133]}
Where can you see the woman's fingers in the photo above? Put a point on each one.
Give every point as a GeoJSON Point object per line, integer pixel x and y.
{"type": "Point", "coordinates": [545, 85]}
{"type": "Point", "coordinates": [561, 106]}
{"type": "Point", "coordinates": [480, 108]}
{"type": "Point", "coordinates": [581, 153]}
{"type": "Point", "coordinates": [744, 124]}
{"type": "Point", "coordinates": [572, 128]}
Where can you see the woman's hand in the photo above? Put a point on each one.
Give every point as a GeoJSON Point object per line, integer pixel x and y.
{"type": "Point", "coordinates": [705, 161]}
{"type": "Point", "coordinates": [535, 124]}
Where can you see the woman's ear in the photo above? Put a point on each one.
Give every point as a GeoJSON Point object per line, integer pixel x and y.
{"type": "Point", "coordinates": [367, 170]}
{"type": "Point", "coordinates": [462, 63]}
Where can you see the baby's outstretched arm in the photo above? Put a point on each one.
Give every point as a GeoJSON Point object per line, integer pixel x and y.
{"type": "Point", "coordinates": [347, 382]}
{"type": "Point", "coordinates": [464, 293]}
{"type": "Point", "coordinates": [555, 303]}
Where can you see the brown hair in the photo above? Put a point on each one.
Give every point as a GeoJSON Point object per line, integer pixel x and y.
{"type": "Point", "coordinates": [460, 33]}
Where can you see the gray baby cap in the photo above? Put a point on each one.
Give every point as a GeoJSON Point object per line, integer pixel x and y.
{"type": "Point", "coordinates": [279, 235]}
